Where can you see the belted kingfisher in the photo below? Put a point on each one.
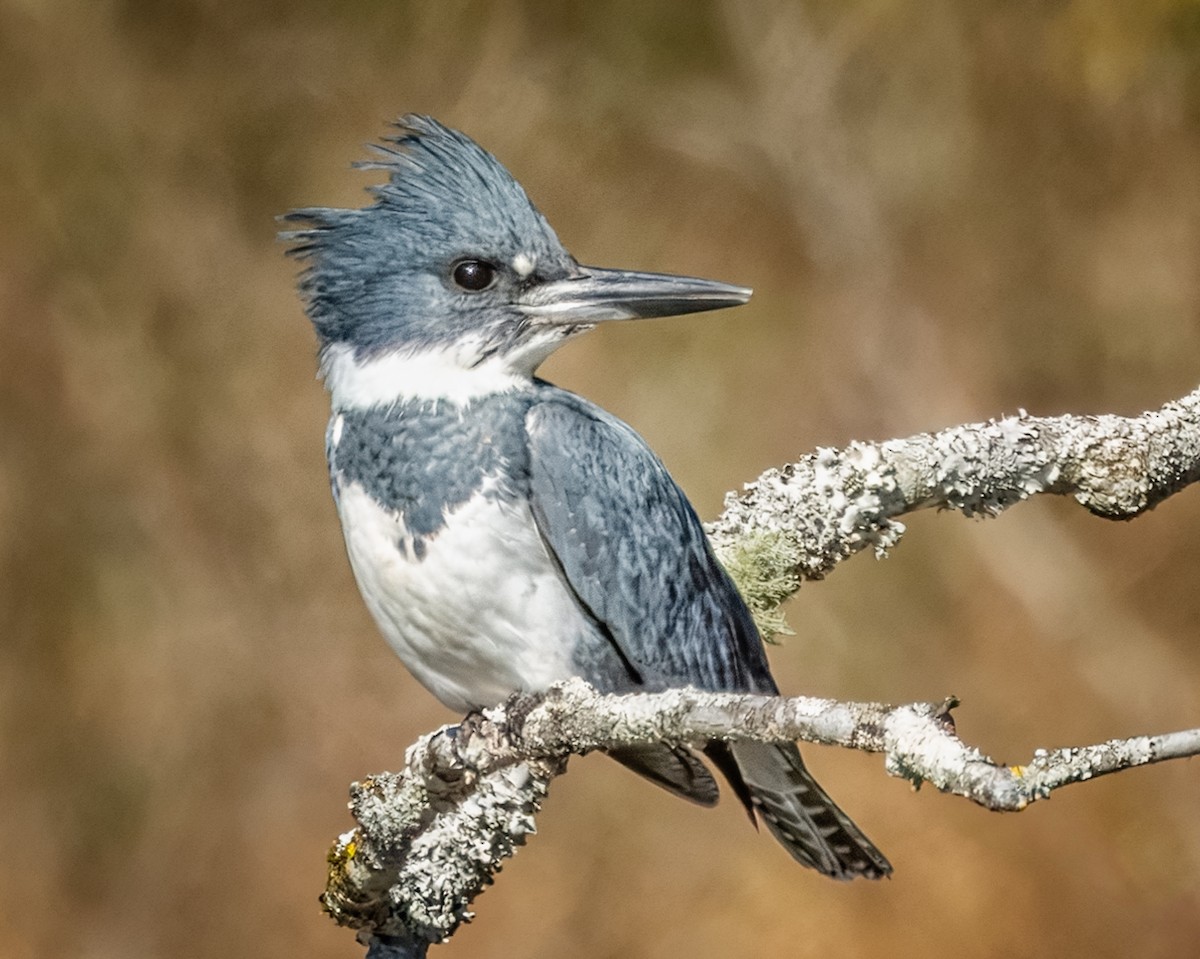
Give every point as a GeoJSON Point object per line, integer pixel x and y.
{"type": "Point", "coordinates": [505, 533]}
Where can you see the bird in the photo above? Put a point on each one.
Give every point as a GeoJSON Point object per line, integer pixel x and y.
{"type": "Point", "coordinates": [507, 534]}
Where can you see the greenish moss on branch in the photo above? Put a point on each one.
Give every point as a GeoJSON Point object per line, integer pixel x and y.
{"type": "Point", "coordinates": [764, 567]}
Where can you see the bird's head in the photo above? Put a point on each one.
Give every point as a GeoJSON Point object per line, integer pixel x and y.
{"type": "Point", "coordinates": [453, 260]}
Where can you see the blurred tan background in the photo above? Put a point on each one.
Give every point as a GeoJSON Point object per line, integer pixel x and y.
{"type": "Point", "coordinates": [949, 211]}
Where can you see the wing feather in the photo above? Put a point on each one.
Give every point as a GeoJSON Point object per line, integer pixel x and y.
{"type": "Point", "coordinates": [634, 552]}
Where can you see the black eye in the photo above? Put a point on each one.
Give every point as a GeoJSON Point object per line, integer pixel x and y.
{"type": "Point", "coordinates": [474, 275]}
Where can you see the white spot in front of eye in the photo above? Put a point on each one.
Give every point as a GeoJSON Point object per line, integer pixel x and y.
{"type": "Point", "coordinates": [524, 263]}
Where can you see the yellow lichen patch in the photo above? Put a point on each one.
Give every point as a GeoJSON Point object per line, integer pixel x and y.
{"type": "Point", "coordinates": [342, 851]}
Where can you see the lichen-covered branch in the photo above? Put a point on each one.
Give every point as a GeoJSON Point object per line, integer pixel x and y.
{"type": "Point", "coordinates": [431, 837]}
{"type": "Point", "coordinates": [800, 521]}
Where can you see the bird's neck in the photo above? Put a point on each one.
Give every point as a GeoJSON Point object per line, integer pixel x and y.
{"type": "Point", "coordinates": [360, 382]}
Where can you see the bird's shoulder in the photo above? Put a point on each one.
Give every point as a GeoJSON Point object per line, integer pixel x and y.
{"type": "Point", "coordinates": [596, 440]}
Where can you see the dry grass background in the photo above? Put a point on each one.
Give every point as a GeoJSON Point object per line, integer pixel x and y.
{"type": "Point", "coordinates": [948, 211]}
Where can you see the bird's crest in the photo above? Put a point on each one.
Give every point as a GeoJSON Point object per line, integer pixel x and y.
{"type": "Point", "coordinates": [372, 274]}
{"type": "Point", "coordinates": [436, 177]}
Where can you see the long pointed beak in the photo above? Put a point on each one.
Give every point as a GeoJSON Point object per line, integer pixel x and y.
{"type": "Point", "coordinates": [594, 295]}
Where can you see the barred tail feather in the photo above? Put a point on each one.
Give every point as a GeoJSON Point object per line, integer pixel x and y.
{"type": "Point", "coordinates": [801, 815]}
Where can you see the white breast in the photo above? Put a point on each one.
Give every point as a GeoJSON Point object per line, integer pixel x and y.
{"type": "Point", "coordinates": [483, 614]}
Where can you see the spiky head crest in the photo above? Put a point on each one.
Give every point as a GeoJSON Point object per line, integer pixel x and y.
{"type": "Point", "coordinates": [377, 277]}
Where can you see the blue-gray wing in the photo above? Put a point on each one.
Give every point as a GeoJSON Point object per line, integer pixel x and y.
{"type": "Point", "coordinates": [632, 549]}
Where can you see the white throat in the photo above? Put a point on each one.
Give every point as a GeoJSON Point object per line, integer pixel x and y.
{"type": "Point", "coordinates": [392, 378]}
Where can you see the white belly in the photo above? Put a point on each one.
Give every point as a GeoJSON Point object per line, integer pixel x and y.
{"type": "Point", "coordinates": [483, 614]}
